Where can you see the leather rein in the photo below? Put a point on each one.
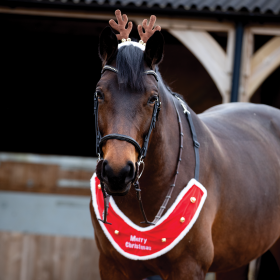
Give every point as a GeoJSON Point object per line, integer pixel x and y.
{"type": "Point", "coordinates": [143, 151]}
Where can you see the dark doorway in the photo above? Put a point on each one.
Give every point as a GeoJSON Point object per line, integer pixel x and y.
{"type": "Point", "coordinates": [49, 70]}
{"type": "Point", "coordinates": [187, 76]}
{"type": "Point", "coordinates": [269, 91]}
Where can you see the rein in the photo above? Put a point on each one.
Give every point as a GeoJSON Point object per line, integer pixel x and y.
{"type": "Point", "coordinates": [143, 151]}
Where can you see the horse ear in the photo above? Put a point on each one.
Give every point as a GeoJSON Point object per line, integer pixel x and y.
{"type": "Point", "coordinates": [154, 49]}
{"type": "Point", "coordinates": [108, 45]}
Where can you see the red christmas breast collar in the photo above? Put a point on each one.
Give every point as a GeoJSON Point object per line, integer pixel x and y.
{"type": "Point", "coordinates": [139, 243]}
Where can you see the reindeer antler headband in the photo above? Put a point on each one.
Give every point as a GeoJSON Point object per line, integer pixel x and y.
{"type": "Point", "coordinates": [124, 33]}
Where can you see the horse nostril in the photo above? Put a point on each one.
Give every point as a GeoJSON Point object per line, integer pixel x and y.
{"type": "Point", "coordinates": [117, 179]}
{"type": "Point", "coordinates": [104, 169]}
{"type": "Point", "coordinates": [130, 172]}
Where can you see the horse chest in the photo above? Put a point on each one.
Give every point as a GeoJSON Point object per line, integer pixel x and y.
{"type": "Point", "coordinates": [137, 243]}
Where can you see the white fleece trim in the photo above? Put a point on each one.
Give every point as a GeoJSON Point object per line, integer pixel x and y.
{"type": "Point", "coordinates": [164, 217]}
{"type": "Point", "coordinates": [135, 44]}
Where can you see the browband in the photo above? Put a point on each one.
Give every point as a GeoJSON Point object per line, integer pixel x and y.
{"type": "Point", "coordinates": [148, 72]}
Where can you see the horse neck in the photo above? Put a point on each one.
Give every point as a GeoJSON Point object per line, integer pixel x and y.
{"type": "Point", "coordinates": [163, 152]}
{"type": "Point", "coordinates": [161, 162]}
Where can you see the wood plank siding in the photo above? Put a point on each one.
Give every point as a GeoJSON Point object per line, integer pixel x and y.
{"type": "Point", "coordinates": [46, 174]}
{"type": "Point", "coordinates": [44, 257]}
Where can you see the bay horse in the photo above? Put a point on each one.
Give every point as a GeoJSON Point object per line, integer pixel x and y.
{"type": "Point", "coordinates": [239, 158]}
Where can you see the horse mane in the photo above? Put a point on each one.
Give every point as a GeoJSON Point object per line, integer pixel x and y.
{"type": "Point", "coordinates": [167, 87]}
{"type": "Point", "coordinates": [130, 65]}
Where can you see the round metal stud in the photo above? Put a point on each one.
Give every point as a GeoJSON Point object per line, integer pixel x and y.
{"type": "Point", "coordinates": [128, 39]}
{"type": "Point", "coordinates": [163, 240]}
{"type": "Point", "coordinates": [123, 40]}
{"type": "Point", "coordinates": [144, 44]}
{"type": "Point", "coordinates": [193, 199]}
{"type": "Point", "coordinates": [99, 186]}
{"type": "Point", "coordinates": [117, 232]}
{"type": "Point", "coordinates": [141, 42]}
{"type": "Point", "coordinates": [182, 219]}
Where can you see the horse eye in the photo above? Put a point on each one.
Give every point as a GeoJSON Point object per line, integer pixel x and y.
{"type": "Point", "coordinates": [153, 99]}
{"type": "Point", "coordinates": [99, 94]}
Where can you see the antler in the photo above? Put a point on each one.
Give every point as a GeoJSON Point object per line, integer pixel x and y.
{"type": "Point", "coordinates": [120, 26]}
{"type": "Point", "coordinates": [149, 31]}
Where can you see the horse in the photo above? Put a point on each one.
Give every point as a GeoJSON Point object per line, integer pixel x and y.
{"type": "Point", "coordinates": [239, 156]}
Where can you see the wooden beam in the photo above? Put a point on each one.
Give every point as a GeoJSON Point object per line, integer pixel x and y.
{"type": "Point", "coordinates": [230, 51]}
{"type": "Point", "coordinates": [263, 63]}
{"type": "Point", "coordinates": [272, 30]}
{"type": "Point", "coordinates": [256, 67]}
{"type": "Point", "coordinates": [248, 47]}
{"type": "Point", "coordinates": [211, 56]}
{"type": "Point", "coordinates": [164, 22]}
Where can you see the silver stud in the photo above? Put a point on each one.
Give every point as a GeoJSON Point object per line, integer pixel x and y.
{"type": "Point", "coordinates": [99, 186]}
{"type": "Point", "coordinates": [141, 42]}
{"type": "Point", "coordinates": [128, 39]}
{"type": "Point", "coordinates": [117, 232]}
{"type": "Point", "coordinates": [163, 240]}
{"type": "Point", "coordinates": [182, 219]}
{"type": "Point", "coordinates": [123, 40]}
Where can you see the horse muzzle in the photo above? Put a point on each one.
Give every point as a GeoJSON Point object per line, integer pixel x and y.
{"type": "Point", "coordinates": [117, 183]}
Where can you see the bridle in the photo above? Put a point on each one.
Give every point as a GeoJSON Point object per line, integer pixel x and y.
{"type": "Point", "coordinates": [143, 151]}
{"type": "Point", "coordinates": [100, 140]}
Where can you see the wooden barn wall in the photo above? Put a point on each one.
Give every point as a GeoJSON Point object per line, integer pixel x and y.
{"type": "Point", "coordinates": [46, 174]}
{"type": "Point", "coordinates": [41, 257]}
{"type": "Point", "coordinates": [45, 225]}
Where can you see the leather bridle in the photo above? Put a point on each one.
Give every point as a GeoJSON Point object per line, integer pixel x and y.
{"type": "Point", "coordinates": [100, 140]}
{"type": "Point", "coordinates": [143, 151]}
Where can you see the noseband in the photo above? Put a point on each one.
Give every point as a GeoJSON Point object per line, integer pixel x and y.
{"type": "Point", "coordinates": [143, 151]}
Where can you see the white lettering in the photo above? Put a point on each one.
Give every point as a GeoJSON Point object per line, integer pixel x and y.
{"type": "Point", "coordinates": [133, 238]}
{"type": "Point", "coordinates": [137, 246]}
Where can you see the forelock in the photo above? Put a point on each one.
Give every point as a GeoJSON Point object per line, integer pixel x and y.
{"type": "Point", "coordinates": [130, 65]}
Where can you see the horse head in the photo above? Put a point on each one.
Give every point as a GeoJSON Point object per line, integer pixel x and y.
{"type": "Point", "coordinates": [126, 98]}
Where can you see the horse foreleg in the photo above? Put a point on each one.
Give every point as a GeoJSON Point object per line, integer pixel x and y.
{"type": "Point", "coordinates": [119, 269]}
{"type": "Point", "coordinates": [189, 270]}
{"type": "Point", "coordinates": [240, 273]}
{"type": "Point", "coordinates": [275, 250]}
{"type": "Point", "coordinates": [109, 270]}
